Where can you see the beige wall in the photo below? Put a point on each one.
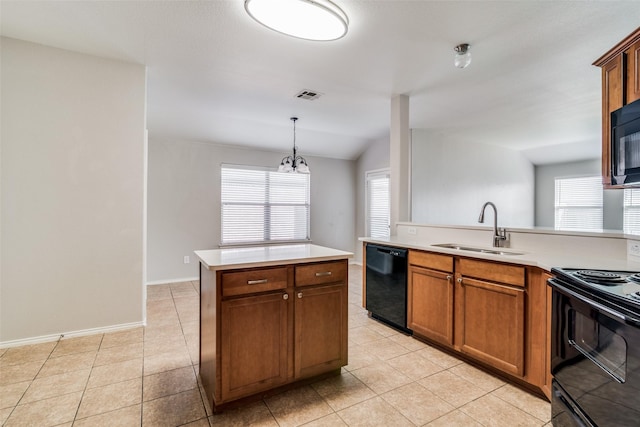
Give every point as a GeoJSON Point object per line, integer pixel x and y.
{"type": "Point", "coordinates": [451, 180]}
{"type": "Point", "coordinates": [184, 202]}
{"type": "Point", "coordinates": [375, 157]}
{"type": "Point", "coordinates": [72, 192]}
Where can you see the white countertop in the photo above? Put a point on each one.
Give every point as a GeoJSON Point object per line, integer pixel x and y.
{"type": "Point", "coordinates": [263, 256]}
{"type": "Point", "coordinates": [544, 259]}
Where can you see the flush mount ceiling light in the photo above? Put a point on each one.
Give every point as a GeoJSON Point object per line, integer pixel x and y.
{"type": "Point", "coordinates": [305, 19]}
{"type": "Point", "coordinates": [463, 56]}
{"type": "Point", "coordinates": [294, 163]}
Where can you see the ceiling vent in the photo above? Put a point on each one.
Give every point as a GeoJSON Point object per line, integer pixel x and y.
{"type": "Point", "coordinates": [308, 94]}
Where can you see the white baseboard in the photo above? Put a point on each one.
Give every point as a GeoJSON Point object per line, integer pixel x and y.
{"type": "Point", "coordinates": [166, 282]}
{"type": "Point", "coordinates": [83, 332]}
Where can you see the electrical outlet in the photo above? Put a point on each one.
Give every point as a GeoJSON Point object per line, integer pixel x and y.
{"type": "Point", "coordinates": [412, 230]}
{"type": "Point", "coordinates": [186, 259]}
{"type": "Point", "coordinates": [633, 248]}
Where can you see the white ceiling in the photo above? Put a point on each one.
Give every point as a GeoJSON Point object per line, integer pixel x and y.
{"type": "Point", "coordinates": [215, 75]}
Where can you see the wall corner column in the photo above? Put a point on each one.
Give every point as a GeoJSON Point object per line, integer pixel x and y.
{"type": "Point", "coordinates": [399, 148]}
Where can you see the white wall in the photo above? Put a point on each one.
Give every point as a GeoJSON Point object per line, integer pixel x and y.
{"type": "Point", "coordinates": [184, 201]}
{"type": "Point", "coordinates": [545, 192]}
{"type": "Point", "coordinates": [375, 157]}
{"type": "Point", "coordinates": [452, 180]}
{"type": "Point", "coordinates": [72, 192]}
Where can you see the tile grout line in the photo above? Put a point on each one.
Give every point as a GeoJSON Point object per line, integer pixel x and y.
{"type": "Point", "coordinates": [87, 383]}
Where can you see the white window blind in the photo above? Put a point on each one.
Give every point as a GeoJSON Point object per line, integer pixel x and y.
{"type": "Point", "coordinates": [262, 205]}
{"type": "Point", "coordinates": [631, 211]}
{"type": "Point", "coordinates": [378, 204]}
{"type": "Point", "coordinates": [578, 203]}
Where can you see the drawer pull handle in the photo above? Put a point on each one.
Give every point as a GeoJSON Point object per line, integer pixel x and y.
{"type": "Point", "coordinates": [324, 273]}
{"type": "Point", "coordinates": [256, 282]}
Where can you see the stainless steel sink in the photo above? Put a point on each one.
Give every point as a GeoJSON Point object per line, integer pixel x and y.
{"type": "Point", "coordinates": [459, 247]}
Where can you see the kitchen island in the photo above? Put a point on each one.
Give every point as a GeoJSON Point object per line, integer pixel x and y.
{"type": "Point", "coordinates": [270, 317]}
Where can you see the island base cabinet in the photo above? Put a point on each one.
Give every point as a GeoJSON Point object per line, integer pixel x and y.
{"type": "Point", "coordinates": [265, 329]}
{"type": "Point", "coordinates": [320, 330]}
{"type": "Point", "coordinates": [253, 326]}
{"type": "Point", "coordinates": [490, 323]}
{"type": "Point", "coordinates": [430, 304]}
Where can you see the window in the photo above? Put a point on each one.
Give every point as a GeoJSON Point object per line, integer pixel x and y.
{"type": "Point", "coordinates": [378, 203]}
{"type": "Point", "coordinates": [261, 205]}
{"type": "Point", "coordinates": [578, 204]}
{"type": "Point", "coordinates": [631, 212]}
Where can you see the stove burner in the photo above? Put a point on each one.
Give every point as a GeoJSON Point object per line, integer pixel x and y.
{"type": "Point", "coordinates": [635, 278]}
{"type": "Point", "coordinates": [601, 277]}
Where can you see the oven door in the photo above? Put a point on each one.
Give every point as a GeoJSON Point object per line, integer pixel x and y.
{"type": "Point", "coordinates": [595, 360]}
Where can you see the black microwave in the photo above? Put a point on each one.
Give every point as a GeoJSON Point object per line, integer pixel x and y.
{"type": "Point", "coordinates": [625, 145]}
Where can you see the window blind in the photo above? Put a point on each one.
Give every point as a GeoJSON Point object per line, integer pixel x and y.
{"type": "Point", "coordinates": [262, 205]}
{"type": "Point", "coordinates": [578, 203]}
{"type": "Point", "coordinates": [631, 211]}
{"type": "Point", "coordinates": [378, 209]}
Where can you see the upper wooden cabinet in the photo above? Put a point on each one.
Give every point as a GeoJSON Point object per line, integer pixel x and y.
{"type": "Point", "coordinates": [620, 86]}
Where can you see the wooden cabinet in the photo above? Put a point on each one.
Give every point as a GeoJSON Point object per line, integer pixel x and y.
{"type": "Point", "coordinates": [430, 296]}
{"type": "Point", "coordinates": [546, 385]}
{"type": "Point", "coordinates": [320, 329]}
{"type": "Point", "coordinates": [620, 86]}
{"type": "Point", "coordinates": [632, 84]}
{"type": "Point", "coordinates": [492, 312]}
{"type": "Point", "coordinates": [255, 344]}
{"type": "Point", "coordinates": [262, 328]}
{"type": "Point", "coordinates": [490, 323]}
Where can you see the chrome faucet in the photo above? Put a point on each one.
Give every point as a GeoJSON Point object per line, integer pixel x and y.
{"type": "Point", "coordinates": [499, 234]}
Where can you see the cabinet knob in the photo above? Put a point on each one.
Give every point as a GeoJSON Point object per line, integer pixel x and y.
{"type": "Point", "coordinates": [285, 296]}
{"type": "Point", "coordinates": [460, 280]}
{"type": "Point", "coordinates": [299, 294]}
{"type": "Point", "coordinates": [448, 277]}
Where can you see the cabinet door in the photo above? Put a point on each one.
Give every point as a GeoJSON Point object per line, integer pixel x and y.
{"type": "Point", "coordinates": [490, 323]}
{"type": "Point", "coordinates": [320, 329]}
{"type": "Point", "coordinates": [255, 344]}
{"type": "Point", "coordinates": [633, 72]}
{"type": "Point", "coordinates": [430, 304]}
{"type": "Point", "coordinates": [612, 99]}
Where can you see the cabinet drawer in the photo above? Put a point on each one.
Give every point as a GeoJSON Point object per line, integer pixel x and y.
{"type": "Point", "coordinates": [317, 274]}
{"type": "Point", "coordinates": [495, 272]}
{"type": "Point", "coordinates": [252, 281]}
{"type": "Point", "coordinates": [431, 260]}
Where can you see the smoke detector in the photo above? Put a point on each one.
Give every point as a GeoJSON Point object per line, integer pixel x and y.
{"type": "Point", "coordinates": [310, 95]}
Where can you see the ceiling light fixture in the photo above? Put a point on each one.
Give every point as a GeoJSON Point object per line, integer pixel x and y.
{"type": "Point", "coordinates": [305, 19]}
{"type": "Point", "coordinates": [463, 56]}
{"type": "Point", "coordinates": [294, 163]}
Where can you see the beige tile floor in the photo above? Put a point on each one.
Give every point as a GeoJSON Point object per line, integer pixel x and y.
{"type": "Point", "coordinates": [148, 376]}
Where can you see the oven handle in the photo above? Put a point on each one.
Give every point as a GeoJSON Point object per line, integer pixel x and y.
{"type": "Point", "coordinates": [629, 320]}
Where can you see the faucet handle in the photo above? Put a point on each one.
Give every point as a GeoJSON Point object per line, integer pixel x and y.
{"type": "Point", "coordinates": [501, 236]}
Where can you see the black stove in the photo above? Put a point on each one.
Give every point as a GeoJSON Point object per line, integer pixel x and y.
{"type": "Point", "coordinates": [612, 288]}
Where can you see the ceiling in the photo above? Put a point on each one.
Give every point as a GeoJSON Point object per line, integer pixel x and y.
{"type": "Point", "coordinates": [215, 75]}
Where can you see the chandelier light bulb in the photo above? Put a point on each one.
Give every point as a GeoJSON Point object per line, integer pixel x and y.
{"type": "Point", "coordinates": [462, 58]}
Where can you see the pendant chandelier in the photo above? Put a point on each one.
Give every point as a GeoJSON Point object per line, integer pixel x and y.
{"type": "Point", "coordinates": [294, 163]}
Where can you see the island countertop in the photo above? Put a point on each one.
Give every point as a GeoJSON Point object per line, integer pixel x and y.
{"type": "Point", "coordinates": [264, 256]}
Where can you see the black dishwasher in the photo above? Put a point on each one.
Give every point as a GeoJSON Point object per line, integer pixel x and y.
{"type": "Point", "coordinates": [386, 285]}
